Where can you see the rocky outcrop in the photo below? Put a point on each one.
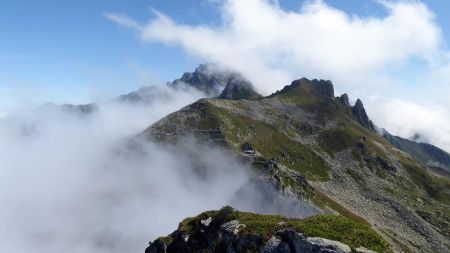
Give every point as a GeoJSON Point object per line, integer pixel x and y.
{"type": "Point", "coordinates": [284, 241]}
{"type": "Point", "coordinates": [223, 231]}
{"type": "Point", "coordinates": [299, 244]}
{"type": "Point", "coordinates": [363, 250]}
{"type": "Point", "coordinates": [227, 239]}
{"type": "Point", "coordinates": [324, 88]}
{"type": "Point", "coordinates": [208, 78]}
{"type": "Point", "coordinates": [360, 115]}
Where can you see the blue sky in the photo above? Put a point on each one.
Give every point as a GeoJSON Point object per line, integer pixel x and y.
{"type": "Point", "coordinates": [67, 51]}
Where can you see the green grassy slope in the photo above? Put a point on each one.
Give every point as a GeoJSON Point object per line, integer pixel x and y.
{"type": "Point", "coordinates": [309, 132]}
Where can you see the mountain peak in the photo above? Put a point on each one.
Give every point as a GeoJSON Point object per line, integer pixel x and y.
{"type": "Point", "coordinates": [323, 88]}
{"type": "Point", "coordinates": [207, 78]}
{"type": "Point", "coordinates": [344, 100]}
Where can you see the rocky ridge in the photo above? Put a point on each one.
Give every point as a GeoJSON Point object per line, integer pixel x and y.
{"type": "Point", "coordinates": [426, 153]}
{"type": "Point", "coordinates": [315, 147]}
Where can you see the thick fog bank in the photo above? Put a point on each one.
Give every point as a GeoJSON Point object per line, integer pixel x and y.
{"type": "Point", "coordinates": [70, 183]}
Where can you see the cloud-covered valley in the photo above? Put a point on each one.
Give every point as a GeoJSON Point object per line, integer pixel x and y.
{"type": "Point", "coordinates": [89, 182]}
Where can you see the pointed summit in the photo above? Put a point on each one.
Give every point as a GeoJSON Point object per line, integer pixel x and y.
{"type": "Point", "coordinates": [360, 115]}
{"type": "Point", "coordinates": [207, 78]}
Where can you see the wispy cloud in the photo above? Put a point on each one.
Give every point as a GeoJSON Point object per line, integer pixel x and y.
{"type": "Point", "coordinates": [258, 37]}
{"type": "Point", "coordinates": [123, 20]}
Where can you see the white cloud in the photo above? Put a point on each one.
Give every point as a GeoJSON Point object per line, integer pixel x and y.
{"type": "Point", "coordinates": [365, 56]}
{"type": "Point", "coordinates": [73, 183]}
{"type": "Point", "coordinates": [122, 20]}
{"type": "Point", "coordinates": [273, 46]}
{"type": "Point", "coordinates": [407, 118]}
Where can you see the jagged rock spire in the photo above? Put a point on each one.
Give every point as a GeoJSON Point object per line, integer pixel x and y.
{"type": "Point", "coordinates": [360, 115]}
{"type": "Point", "coordinates": [344, 100]}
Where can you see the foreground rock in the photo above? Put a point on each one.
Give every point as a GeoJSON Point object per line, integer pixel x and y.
{"type": "Point", "coordinates": [228, 230]}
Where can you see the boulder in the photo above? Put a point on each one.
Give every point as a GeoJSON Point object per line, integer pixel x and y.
{"type": "Point", "coordinates": [275, 245]}
{"type": "Point", "coordinates": [363, 250]}
{"type": "Point", "coordinates": [206, 222]}
{"type": "Point", "coordinates": [321, 245]}
{"type": "Point", "coordinates": [296, 241]}
{"type": "Point", "coordinates": [231, 227]}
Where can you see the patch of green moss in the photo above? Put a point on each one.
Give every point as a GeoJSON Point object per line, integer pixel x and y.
{"type": "Point", "coordinates": [166, 239]}
{"type": "Point", "coordinates": [345, 230]}
{"type": "Point", "coordinates": [187, 224]}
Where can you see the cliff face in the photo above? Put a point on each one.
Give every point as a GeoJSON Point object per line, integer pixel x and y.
{"type": "Point", "coordinates": [315, 147]}
{"type": "Point", "coordinates": [228, 230]}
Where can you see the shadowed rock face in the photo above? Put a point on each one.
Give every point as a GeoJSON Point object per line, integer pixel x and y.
{"type": "Point", "coordinates": [324, 87]}
{"type": "Point", "coordinates": [238, 88]}
{"type": "Point", "coordinates": [344, 100]}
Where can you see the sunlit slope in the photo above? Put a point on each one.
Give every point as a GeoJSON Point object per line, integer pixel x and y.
{"type": "Point", "coordinates": [320, 148]}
